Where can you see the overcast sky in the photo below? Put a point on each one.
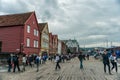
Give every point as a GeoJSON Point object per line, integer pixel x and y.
{"type": "Point", "coordinates": [91, 22]}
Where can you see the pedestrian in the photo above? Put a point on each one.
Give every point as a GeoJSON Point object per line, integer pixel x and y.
{"type": "Point", "coordinates": [9, 61]}
{"type": "Point", "coordinates": [87, 56]}
{"type": "Point", "coordinates": [63, 58]}
{"type": "Point", "coordinates": [81, 58]}
{"type": "Point", "coordinates": [113, 59]}
{"type": "Point", "coordinates": [57, 60]}
{"type": "Point", "coordinates": [106, 61]}
{"type": "Point", "coordinates": [16, 63]}
{"type": "Point", "coordinates": [24, 59]}
{"type": "Point", "coordinates": [43, 59]}
{"type": "Point", "coordinates": [37, 60]}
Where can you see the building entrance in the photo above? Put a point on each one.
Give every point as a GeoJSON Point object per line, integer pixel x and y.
{"type": "Point", "coordinates": [0, 46]}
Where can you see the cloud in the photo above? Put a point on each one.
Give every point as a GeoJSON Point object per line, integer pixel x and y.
{"type": "Point", "coordinates": [88, 21]}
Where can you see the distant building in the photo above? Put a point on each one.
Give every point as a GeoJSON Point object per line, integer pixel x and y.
{"type": "Point", "coordinates": [72, 45]}
{"type": "Point", "coordinates": [19, 33]}
{"type": "Point", "coordinates": [59, 47]}
{"type": "Point", "coordinates": [44, 38]}
{"type": "Point", "coordinates": [55, 44]}
{"type": "Point", "coordinates": [62, 48]}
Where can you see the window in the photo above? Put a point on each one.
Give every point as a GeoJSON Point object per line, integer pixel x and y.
{"type": "Point", "coordinates": [28, 28]}
{"type": "Point", "coordinates": [37, 33]}
{"type": "Point", "coordinates": [28, 42]}
{"type": "Point", "coordinates": [34, 32]}
{"type": "Point", "coordinates": [36, 43]}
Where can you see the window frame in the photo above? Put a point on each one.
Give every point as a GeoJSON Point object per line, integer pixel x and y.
{"type": "Point", "coordinates": [28, 42]}
{"type": "Point", "coordinates": [35, 43]}
{"type": "Point", "coordinates": [28, 28]}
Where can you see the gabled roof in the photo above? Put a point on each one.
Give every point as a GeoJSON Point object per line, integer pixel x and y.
{"type": "Point", "coordinates": [14, 19]}
{"type": "Point", "coordinates": [41, 26]}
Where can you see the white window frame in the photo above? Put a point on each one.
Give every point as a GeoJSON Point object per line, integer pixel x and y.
{"type": "Point", "coordinates": [37, 33]}
{"type": "Point", "coordinates": [35, 43]}
{"type": "Point", "coordinates": [28, 42]}
{"type": "Point", "coordinates": [34, 32]}
{"type": "Point", "coordinates": [28, 28]}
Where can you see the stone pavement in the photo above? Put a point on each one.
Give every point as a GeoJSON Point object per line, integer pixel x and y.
{"type": "Point", "coordinates": [93, 70]}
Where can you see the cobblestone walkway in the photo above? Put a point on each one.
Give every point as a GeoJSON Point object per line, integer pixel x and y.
{"type": "Point", "coordinates": [93, 70]}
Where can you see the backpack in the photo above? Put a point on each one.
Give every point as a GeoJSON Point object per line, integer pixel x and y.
{"type": "Point", "coordinates": [9, 60]}
{"type": "Point", "coordinates": [37, 60]}
{"type": "Point", "coordinates": [15, 59]}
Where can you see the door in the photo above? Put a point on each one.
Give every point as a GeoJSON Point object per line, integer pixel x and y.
{"type": "Point", "coordinates": [0, 46]}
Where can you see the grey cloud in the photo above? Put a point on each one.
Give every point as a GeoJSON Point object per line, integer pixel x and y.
{"type": "Point", "coordinates": [13, 7]}
{"type": "Point", "coordinates": [78, 19]}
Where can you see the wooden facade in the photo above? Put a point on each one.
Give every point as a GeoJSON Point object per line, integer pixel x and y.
{"type": "Point", "coordinates": [14, 33]}
{"type": "Point", "coordinates": [44, 38]}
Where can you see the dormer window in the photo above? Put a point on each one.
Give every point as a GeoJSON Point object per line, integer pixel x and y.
{"type": "Point", "coordinates": [28, 28]}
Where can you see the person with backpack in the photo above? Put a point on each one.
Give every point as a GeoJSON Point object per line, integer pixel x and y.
{"type": "Point", "coordinates": [37, 61]}
{"type": "Point", "coordinates": [9, 61]}
{"type": "Point", "coordinates": [81, 58]}
{"type": "Point", "coordinates": [113, 59]}
{"type": "Point", "coordinates": [57, 60]}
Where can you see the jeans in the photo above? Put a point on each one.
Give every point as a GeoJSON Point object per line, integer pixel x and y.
{"type": "Point", "coordinates": [81, 64]}
{"type": "Point", "coordinates": [24, 64]}
{"type": "Point", "coordinates": [16, 65]}
{"type": "Point", "coordinates": [9, 67]}
{"type": "Point", "coordinates": [108, 67]}
{"type": "Point", "coordinates": [114, 66]}
{"type": "Point", "coordinates": [37, 64]}
{"type": "Point", "coordinates": [57, 65]}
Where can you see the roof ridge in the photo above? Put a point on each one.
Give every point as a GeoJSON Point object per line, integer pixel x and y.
{"type": "Point", "coordinates": [17, 14]}
{"type": "Point", "coordinates": [14, 19]}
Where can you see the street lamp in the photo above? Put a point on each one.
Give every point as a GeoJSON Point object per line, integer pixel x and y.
{"type": "Point", "coordinates": [21, 47]}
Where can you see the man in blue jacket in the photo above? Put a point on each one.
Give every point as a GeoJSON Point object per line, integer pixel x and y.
{"type": "Point", "coordinates": [81, 58]}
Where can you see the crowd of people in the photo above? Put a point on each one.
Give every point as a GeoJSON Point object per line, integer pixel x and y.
{"type": "Point", "coordinates": [36, 60]}
{"type": "Point", "coordinates": [20, 62]}
{"type": "Point", "coordinates": [15, 61]}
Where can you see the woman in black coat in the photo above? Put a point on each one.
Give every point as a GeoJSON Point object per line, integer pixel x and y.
{"type": "Point", "coordinates": [106, 61]}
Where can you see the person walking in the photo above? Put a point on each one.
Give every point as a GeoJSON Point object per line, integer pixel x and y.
{"type": "Point", "coordinates": [81, 58]}
{"type": "Point", "coordinates": [106, 61]}
{"type": "Point", "coordinates": [113, 59]}
{"type": "Point", "coordinates": [16, 63]}
{"type": "Point", "coordinates": [87, 56]}
{"type": "Point", "coordinates": [9, 61]}
{"type": "Point", "coordinates": [37, 61]}
{"type": "Point", "coordinates": [57, 60]}
{"type": "Point", "coordinates": [24, 59]}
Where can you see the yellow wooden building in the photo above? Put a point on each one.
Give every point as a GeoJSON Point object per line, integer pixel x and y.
{"type": "Point", "coordinates": [44, 38]}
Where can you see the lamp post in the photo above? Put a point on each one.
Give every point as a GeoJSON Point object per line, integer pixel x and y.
{"type": "Point", "coordinates": [21, 47]}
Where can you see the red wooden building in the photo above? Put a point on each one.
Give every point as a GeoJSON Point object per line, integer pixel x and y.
{"type": "Point", "coordinates": [19, 33]}
{"type": "Point", "coordinates": [64, 48]}
{"type": "Point", "coordinates": [50, 44]}
{"type": "Point", "coordinates": [55, 44]}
